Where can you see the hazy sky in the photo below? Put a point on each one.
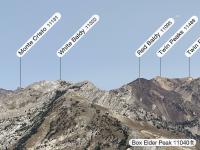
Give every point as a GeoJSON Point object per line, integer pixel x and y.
{"type": "Point", "coordinates": [106, 55]}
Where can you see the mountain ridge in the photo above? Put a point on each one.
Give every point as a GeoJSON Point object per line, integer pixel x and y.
{"type": "Point", "coordinates": [155, 108]}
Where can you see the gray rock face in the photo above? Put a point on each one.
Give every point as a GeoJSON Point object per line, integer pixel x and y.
{"type": "Point", "coordinates": [64, 115]}
{"type": "Point", "coordinates": [3, 91]}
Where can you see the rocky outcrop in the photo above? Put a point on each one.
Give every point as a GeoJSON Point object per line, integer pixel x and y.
{"type": "Point", "coordinates": [3, 91]}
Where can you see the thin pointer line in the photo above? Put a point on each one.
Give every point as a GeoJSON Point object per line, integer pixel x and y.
{"type": "Point", "coordinates": [139, 67]}
{"type": "Point", "coordinates": [160, 66]}
{"type": "Point", "coordinates": [139, 75]}
{"type": "Point", "coordinates": [189, 66]}
{"type": "Point", "coordinates": [20, 72]}
{"type": "Point", "coordinates": [60, 68]}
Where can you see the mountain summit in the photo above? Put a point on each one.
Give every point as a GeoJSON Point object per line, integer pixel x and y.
{"type": "Point", "coordinates": [76, 116]}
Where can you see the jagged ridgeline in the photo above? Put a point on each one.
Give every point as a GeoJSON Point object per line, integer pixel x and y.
{"type": "Point", "coordinates": [67, 116]}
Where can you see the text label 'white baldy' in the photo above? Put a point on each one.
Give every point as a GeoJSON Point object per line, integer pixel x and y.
{"type": "Point", "coordinates": [177, 36]}
{"type": "Point", "coordinates": [155, 37]}
{"type": "Point", "coordinates": [38, 35]}
{"type": "Point", "coordinates": [78, 35]}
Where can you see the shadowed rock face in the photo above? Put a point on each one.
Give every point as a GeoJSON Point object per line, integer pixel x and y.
{"type": "Point", "coordinates": [64, 115]}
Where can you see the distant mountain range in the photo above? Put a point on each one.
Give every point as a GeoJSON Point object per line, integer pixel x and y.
{"type": "Point", "coordinates": [78, 116]}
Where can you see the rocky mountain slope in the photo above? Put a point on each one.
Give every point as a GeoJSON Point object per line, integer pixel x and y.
{"type": "Point", "coordinates": [3, 91]}
{"type": "Point", "coordinates": [59, 115]}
